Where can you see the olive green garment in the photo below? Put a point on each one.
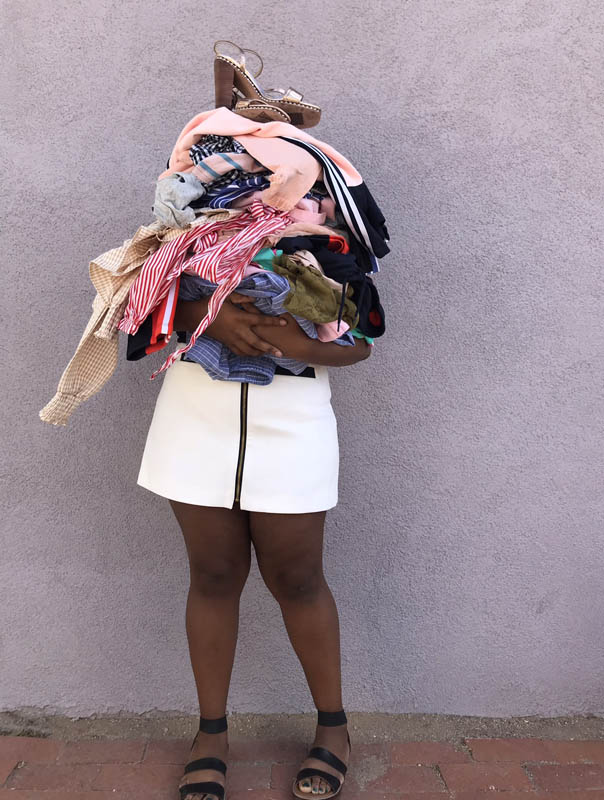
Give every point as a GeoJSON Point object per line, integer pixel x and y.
{"type": "Point", "coordinates": [311, 296]}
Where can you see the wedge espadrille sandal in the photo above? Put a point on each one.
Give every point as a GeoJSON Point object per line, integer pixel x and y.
{"type": "Point", "coordinates": [235, 83]}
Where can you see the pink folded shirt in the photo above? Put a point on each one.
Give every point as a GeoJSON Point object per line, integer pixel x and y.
{"type": "Point", "coordinates": [294, 169]}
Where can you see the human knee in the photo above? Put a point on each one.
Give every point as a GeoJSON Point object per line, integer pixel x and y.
{"type": "Point", "coordinates": [295, 582]}
{"type": "Point", "coordinates": [219, 576]}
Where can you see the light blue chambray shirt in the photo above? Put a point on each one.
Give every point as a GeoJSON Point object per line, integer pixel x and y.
{"type": "Point", "coordinates": [270, 291]}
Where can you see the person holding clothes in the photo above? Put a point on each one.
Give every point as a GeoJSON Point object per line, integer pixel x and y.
{"type": "Point", "coordinates": [290, 480]}
{"type": "Point", "coordinates": [258, 260]}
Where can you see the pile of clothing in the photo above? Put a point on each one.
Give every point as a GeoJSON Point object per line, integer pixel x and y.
{"type": "Point", "coordinates": [263, 209]}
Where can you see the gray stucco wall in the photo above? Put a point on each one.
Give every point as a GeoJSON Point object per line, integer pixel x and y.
{"type": "Point", "coordinates": [466, 552]}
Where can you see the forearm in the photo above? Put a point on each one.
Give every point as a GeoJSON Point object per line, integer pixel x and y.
{"type": "Point", "coordinates": [294, 343]}
{"type": "Point", "coordinates": [189, 314]}
{"type": "Point", "coordinates": [290, 340]}
{"type": "Point", "coordinates": [330, 354]}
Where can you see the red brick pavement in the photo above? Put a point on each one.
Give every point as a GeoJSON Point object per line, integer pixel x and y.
{"type": "Point", "coordinates": [473, 769]}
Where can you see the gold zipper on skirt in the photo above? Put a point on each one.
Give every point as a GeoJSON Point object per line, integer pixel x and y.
{"type": "Point", "coordinates": [242, 439]}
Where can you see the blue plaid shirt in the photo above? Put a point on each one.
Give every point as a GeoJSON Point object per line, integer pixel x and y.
{"type": "Point", "coordinates": [270, 291]}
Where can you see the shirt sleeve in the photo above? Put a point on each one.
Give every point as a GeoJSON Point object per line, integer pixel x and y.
{"type": "Point", "coordinates": [157, 328]}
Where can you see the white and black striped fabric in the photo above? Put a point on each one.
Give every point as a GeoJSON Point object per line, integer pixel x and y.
{"type": "Point", "coordinates": [342, 196]}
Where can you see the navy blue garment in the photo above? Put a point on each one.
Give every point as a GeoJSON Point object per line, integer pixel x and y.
{"type": "Point", "coordinates": [223, 196]}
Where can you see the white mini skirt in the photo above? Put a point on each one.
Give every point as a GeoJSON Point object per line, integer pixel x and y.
{"type": "Point", "coordinates": [272, 448]}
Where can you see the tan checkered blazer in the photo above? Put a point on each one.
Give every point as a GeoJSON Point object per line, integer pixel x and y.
{"type": "Point", "coordinates": [112, 275]}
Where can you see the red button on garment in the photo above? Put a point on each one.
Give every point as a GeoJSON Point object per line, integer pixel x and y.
{"type": "Point", "coordinates": [375, 318]}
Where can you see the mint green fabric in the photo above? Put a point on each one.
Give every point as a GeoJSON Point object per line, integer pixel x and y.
{"type": "Point", "coordinates": [264, 258]}
{"type": "Point", "coordinates": [356, 332]}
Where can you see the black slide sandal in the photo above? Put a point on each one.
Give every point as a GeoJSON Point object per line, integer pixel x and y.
{"type": "Point", "coordinates": [325, 755]}
{"type": "Point", "coordinates": [217, 725]}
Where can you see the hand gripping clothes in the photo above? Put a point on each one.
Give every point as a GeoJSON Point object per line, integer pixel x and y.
{"type": "Point", "coordinates": [220, 260]}
{"type": "Point", "coordinates": [270, 292]}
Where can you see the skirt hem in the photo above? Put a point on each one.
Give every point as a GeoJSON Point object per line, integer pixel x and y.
{"type": "Point", "coordinates": [282, 508]}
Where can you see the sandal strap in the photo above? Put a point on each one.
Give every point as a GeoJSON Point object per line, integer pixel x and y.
{"type": "Point", "coordinates": [323, 754]}
{"type": "Point", "coordinates": [331, 717]}
{"type": "Point", "coordinates": [215, 725]}
{"type": "Point", "coordinates": [208, 762]}
{"type": "Point", "coordinates": [205, 787]}
{"type": "Point", "coordinates": [247, 50]}
{"type": "Point", "coordinates": [289, 95]}
{"type": "Point", "coordinates": [240, 59]}
{"type": "Point", "coordinates": [293, 95]}
{"type": "Point", "coordinates": [309, 772]}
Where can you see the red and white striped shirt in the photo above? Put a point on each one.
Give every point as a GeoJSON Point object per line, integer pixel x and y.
{"type": "Point", "coordinates": [215, 258]}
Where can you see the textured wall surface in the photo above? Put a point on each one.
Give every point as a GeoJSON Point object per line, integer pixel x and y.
{"type": "Point", "coordinates": [466, 551]}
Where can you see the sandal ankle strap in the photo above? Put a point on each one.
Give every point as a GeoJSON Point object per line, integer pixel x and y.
{"type": "Point", "coordinates": [331, 717]}
{"type": "Point", "coordinates": [215, 725]}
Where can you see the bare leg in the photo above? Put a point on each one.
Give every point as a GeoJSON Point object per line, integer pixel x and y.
{"type": "Point", "coordinates": [289, 550]}
{"type": "Point", "coordinates": [218, 546]}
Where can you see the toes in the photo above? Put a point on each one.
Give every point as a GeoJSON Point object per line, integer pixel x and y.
{"type": "Point", "coordinates": [314, 785]}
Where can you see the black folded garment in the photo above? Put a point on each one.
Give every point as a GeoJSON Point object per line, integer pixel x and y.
{"type": "Point", "coordinates": [375, 225]}
{"type": "Point", "coordinates": [363, 217]}
{"type": "Point", "coordinates": [343, 268]}
{"type": "Point", "coordinates": [138, 345]}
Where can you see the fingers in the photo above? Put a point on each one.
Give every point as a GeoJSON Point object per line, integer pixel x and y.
{"type": "Point", "coordinates": [248, 306]}
{"type": "Point", "coordinates": [265, 347]}
{"type": "Point", "coordinates": [265, 319]}
{"type": "Point", "coordinates": [254, 346]}
{"type": "Point", "coordinates": [234, 326]}
{"type": "Point", "coordinates": [245, 341]}
{"type": "Point", "coordinates": [245, 349]}
{"type": "Point", "coordinates": [285, 317]}
{"type": "Point", "coordinates": [236, 297]}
